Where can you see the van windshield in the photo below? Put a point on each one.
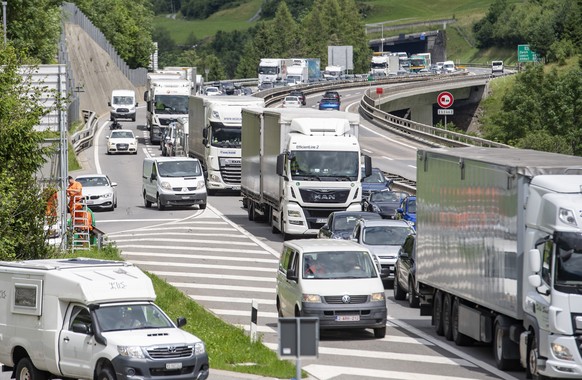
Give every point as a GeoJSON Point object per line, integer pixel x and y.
{"type": "Point", "coordinates": [337, 265]}
{"type": "Point", "coordinates": [123, 100]}
{"type": "Point", "coordinates": [130, 317]}
{"type": "Point", "coordinates": [185, 168]}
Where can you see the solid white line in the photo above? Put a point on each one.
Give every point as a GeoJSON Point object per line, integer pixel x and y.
{"type": "Point", "coordinates": [200, 265]}
{"type": "Point", "coordinates": [214, 276]}
{"type": "Point", "coordinates": [190, 233]}
{"type": "Point", "coordinates": [172, 248]}
{"type": "Point", "coordinates": [231, 299]}
{"type": "Point", "coordinates": [386, 355]}
{"type": "Point", "coordinates": [387, 158]}
{"type": "Point", "coordinates": [412, 166]}
{"type": "Point", "coordinates": [453, 350]}
{"type": "Point", "coordinates": [326, 372]}
{"type": "Point", "coordinates": [222, 287]}
{"type": "Point", "coordinates": [205, 257]}
{"type": "Point", "coordinates": [242, 313]}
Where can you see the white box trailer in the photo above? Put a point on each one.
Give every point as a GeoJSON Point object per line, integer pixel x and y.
{"type": "Point", "coordinates": [499, 253]}
{"type": "Point", "coordinates": [87, 319]}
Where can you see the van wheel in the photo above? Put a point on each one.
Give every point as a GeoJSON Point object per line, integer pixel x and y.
{"type": "Point", "coordinates": [380, 332]}
{"type": "Point", "coordinates": [161, 206]}
{"type": "Point", "coordinates": [27, 371]}
{"type": "Point", "coordinates": [106, 373]}
{"type": "Point", "coordinates": [146, 203]}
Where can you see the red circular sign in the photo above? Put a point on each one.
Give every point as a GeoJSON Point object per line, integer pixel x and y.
{"type": "Point", "coordinates": [445, 99]}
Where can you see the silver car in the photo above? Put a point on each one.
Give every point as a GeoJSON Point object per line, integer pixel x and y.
{"type": "Point", "coordinates": [98, 191]}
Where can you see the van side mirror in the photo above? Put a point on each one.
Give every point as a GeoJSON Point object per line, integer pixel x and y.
{"type": "Point", "coordinates": [153, 177]}
{"type": "Point", "coordinates": [136, 104]}
{"type": "Point", "coordinates": [109, 104]}
{"type": "Point", "coordinates": [180, 321]}
{"type": "Point", "coordinates": [291, 275]}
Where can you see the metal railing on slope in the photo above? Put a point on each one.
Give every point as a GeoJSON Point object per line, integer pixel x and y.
{"type": "Point", "coordinates": [83, 139]}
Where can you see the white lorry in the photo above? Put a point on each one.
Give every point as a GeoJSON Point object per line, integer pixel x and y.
{"type": "Point", "coordinates": [379, 66]}
{"type": "Point", "coordinates": [166, 97]}
{"type": "Point", "coordinates": [273, 69]}
{"type": "Point", "coordinates": [334, 72]}
{"type": "Point", "coordinates": [499, 254]}
{"type": "Point", "coordinates": [214, 137]}
{"type": "Point", "coordinates": [90, 319]}
{"type": "Point", "coordinates": [298, 166]}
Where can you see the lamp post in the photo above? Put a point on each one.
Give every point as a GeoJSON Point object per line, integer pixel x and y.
{"type": "Point", "coordinates": [4, 3]}
{"type": "Point", "coordinates": [206, 71]}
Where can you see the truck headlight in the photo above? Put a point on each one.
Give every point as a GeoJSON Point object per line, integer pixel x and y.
{"type": "Point", "coordinates": [562, 352]}
{"type": "Point", "coordinates": [166, 185]}
{"type": "Point", "coordinates": [294, 213]}
{"type": "Point", "coordinates": [311, 298]}
{"type": "Point", "coordinates": [377, 297]}
{"type": "Point", "coordinates": [567, 216]}
{"type": "Point", "coordinates": [131, 351]}
{"type": "Point", "coordinates": [199, 348]}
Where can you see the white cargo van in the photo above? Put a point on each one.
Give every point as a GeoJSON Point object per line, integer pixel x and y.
{"type": "Point", "coordinates": [122, 104]}
{"type": "Point", "coordinates": [336, 281]}
{"type": "Point", "coordinates": [496, 67]}
{"type": "Point", "coordinates": [90, 319]}
{"type": "Point", "coordinates": [173, 181]}
{"type": "Point", "coordinates": [449, 67]}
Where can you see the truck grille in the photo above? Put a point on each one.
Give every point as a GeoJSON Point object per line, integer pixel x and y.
{"type": "Point", "coordinates": [324, 196]}
{"type": "Point", "coordinates": [230, 169]}
{"type": "Point", "coordinates": [169, 352]}
{"type": "Point", "coordinates": [353, 299]}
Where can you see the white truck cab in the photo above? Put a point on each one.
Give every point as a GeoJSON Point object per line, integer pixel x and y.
{"type": "Point", "coordinates": [90, 319]}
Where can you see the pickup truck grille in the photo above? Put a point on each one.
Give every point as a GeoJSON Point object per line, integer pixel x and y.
{"type": "Point", "coordinates": [353, 299]}
{"type": "Point", "coordinates": [169, 352]}
{"type": "Point", "coordinates": [230, 169]}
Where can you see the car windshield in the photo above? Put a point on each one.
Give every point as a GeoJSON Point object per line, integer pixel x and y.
{"type": "Point", "coordinates": [179, 168]}
{"type": "Point", "coordinates": [121, 135]}
{"type": "Point", "coordinates": [292, 99]}
{"type": "Point", "coordinates": [93, 181]}
{"type": "Point", "coordinates": [130, 317]}
{"type": "Point", "coordinates": [387, 196]}
{"type": "Point", "coordinates": [337, 265]}
{"type": "Point", "coordinates": [316, 164]}
{"type": "Point", "coordinates": [376, 177]}
{"type": "Point", "coordinates": [171, 104]}
{"type": "Point", "coordinates": [386, 235]}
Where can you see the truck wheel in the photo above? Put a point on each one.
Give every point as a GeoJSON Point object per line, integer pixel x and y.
{"type": "Point", "coordinates": [459, 338]}
{"type": "Point", "coordinates": [413, 300]}
{"type": "Point", "coordinates": [380, 332]}
{"type": "Point", "coordinates": [106, 373]}
{"type": "Point", "coordinates": [447, 325]}
{"type": "Point", "coordinates": [399, 293]}
{"type": "Point", "coordinates": [251, 211]}
{"type": "Point", "coordinates": [532, 359]}
{"type": "Point", "coordinates": [25, 370]}
{"type": "Point", "coordinates": [437, 313]}
{"type": "Point", "coordinates": [503, 346]}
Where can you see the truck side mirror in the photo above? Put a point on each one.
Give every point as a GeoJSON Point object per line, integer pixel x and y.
{"type": "Point", "coordinates": [535, 261]}
{"type": "Point", "coordinates": [146, 96]}
{"type": "Point", "coordinates": [281, 164]}
{"type": "Point", "coordinates": [367, 165]}
{"type": "Point", "coordinates": [205, 133]}
{"type": "Point", "coordinates": [109, 104]}
{"type": "Point", "coordinates": [535, 280]}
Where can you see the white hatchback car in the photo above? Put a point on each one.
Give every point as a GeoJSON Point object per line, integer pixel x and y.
{"type": "Point", "coordinates": [98, 191]}
{"type": "Point", "coordinates": [291, 102]}
{"type": "Point", "coordinates": [121, 141]}
{"type": "Point", "coordinates": [336, 281]}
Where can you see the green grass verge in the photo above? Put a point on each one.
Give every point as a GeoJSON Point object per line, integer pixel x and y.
{"type": "Point", "coordinates": [229, 348]}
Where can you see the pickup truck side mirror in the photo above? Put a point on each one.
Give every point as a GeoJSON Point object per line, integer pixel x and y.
{"type": "Point", "coordinates": [82, 328]}
{"type": "Point", "coordinates": [180, 321]}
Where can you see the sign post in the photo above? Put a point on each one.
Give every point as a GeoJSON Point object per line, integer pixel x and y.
{"type": "Point", "coordinates": [445, 99]}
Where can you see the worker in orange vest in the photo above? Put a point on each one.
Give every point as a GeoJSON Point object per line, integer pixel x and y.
{"type": "Point", "coordinates": [74, 192]}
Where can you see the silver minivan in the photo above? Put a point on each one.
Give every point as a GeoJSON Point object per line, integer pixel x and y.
{"type": "Point", "coordinates": [336, 281]}
{"type": "Point", "coordinates": [173, 181]}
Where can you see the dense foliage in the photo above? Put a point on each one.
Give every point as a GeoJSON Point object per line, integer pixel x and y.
{"type": "Point", "coordinates": [22, 106]}
{"type": "Point", "coordinates": [201, 9]}
{"type": "Point", "coordinates": [552, 28]}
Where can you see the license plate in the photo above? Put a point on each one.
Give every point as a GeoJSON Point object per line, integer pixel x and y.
{"type": "Point", "coordinates": [89, 202]}
{"type": "Point", "coordinates": [185, 197]}
{"type": "Point", "coordinates": [237, 188]}
{"type": "Point", "coordinates": [173, 365]}
{"type": "Point", "coordinates": [347, 318]}
{"type": "Point", "coordinates": [321, 220]}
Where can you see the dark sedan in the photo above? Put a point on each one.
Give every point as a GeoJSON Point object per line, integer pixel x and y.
{"type": "Point", "coordinates": [385, 202]}
{"type": "Point", "coordinates": [405, 273]}
{"type": "Point", "coordinates": [340, 224]}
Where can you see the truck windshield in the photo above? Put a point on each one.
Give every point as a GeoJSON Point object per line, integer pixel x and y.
{"type": "Point", "coordinates": [186, 168]}
{"type": "Point", "coordinates": [269, 70]}
{"type": "Point", "coordinates": [338, 265]}
{"type": "Point", "coordinates": [379, 65]}
{"type": "Point", "coordinates": [171, 104]}
{"type": "Point", "coordinates": [225, 137]}
{"type": "Point", "coordinates": [130, 317]}
{"type": "Point", "coordinates": [568, 259]}
{"type": "Point", "coordinates": [317, 165]}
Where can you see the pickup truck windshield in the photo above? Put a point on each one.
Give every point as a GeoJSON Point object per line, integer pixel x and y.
{"type": "Point", "coordinates": [317, 165]}
{"type": "Point", "coordinates": [130, 317]}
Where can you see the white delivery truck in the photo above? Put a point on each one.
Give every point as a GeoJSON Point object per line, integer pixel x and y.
{"type": "Point", "coordinates": [167, 99]}
{"type": "Point", "coordinates": [273, 69]}
{"type": "Point", "coordinates": [499, 253]}
{"type": "Point", "coordinates": [90, 319]}
{"type": "Point", "coordinates": [379, 66]}
{"type": "Point", "coordinates": [215, 137]}
{"type": "Point", "coordinates": [298, 166]}
{"type": "Point", "coordinates": [122, 105]}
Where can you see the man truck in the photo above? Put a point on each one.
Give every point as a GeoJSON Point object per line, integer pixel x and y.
{"type": "Point", "coordinates": [273, 69]}
{"type": "Point", "coordinates": [298, 166]}
{"type": "Point", "coordinates": [499, 254]}
{"type": "Point", "coordinates": [214, 137]}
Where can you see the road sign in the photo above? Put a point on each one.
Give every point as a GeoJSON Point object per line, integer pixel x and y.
{"type": "Point", "coordinates": [442, 111]}
{"type": "Point", "coordinates": [445, 99]}
{"type": "Point", "coordinates": [524, 54]}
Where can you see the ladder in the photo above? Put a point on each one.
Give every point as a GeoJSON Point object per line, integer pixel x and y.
{"type": "Point", "coordinates": [80, 224]}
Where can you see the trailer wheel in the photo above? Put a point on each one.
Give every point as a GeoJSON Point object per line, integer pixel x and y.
{"type": "Point", "coordinates": [251, 211]}
{"type": "Point", "coordinates": [459, 338]}
{"type": "Point", "coordinates": [503, 346]}
{"type": "Point", "coordinates": [25, 370]}
{"type": "Point", "coordinates": [437, 313]}
{"type": "Point", "coordinates": [447, 325]}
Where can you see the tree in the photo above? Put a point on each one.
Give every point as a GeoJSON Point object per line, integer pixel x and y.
{"type": "Point", "coordinates": [285, 27]}
{"type": "Point", "coordinates": [22, 209]}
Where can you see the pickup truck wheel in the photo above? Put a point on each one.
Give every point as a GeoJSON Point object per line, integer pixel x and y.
{"type": "Point", "coordinates": [413, 300]}
{"type": "Point", "coordinates": [437, 313]}
{"type": "Point", "coordinates": [399, 293]}
{"type": "Point", "coordinates": [27, 371]}
{"type": "Point", "coordinates": [380, 332]}
{"type": "Point", "coordinates": [447, 325]}
{"type": "Point", "coordinates": [459, 338]}
{"type": "Point", "coordinates": [106, 373]}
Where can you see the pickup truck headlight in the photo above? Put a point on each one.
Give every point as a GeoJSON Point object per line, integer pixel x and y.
{"type": "Point", "coordinates": [311, 298]}
{"type": "Point", "coordinates": [166, 185]}
{"type": "Point", "coordinates": [377, 297]}
{"type": "Point", "coordinates": [131, 351]}
{"type": "Point", "coordinates": [199, 348]}
{"type": "Point", "coordinates": [562, 352]}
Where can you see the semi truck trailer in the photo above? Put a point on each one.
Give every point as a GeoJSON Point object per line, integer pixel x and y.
{"type": "Point", "coordinates": [298, 166]}
{"type": "Point", "coordinates": [499, 254]}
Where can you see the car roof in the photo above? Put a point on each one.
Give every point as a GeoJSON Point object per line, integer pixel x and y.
{"type": "Point", "coordinates": [355, 213]}
{"type": "Point", "coordinates": [317, 245]}
{"type": "Point", "coordinates": [91, 175]}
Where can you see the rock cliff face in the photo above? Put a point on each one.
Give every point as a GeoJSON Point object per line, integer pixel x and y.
{"type": "Point", "coordinates": [94, 71]}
